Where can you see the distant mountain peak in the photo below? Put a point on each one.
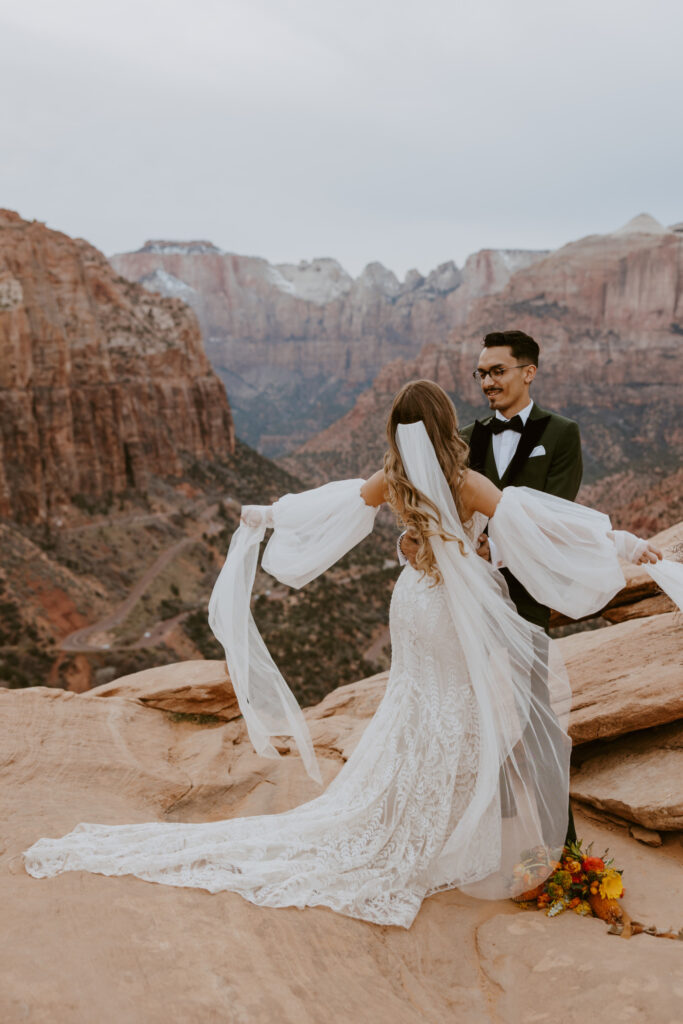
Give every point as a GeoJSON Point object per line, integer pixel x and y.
{"type": "Point", "coordinates": [379, 278]}
{"type": "Point", "coordinates": [643, 224]}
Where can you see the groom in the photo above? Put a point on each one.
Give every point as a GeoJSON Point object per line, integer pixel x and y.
{"type": "Point", "coordinates": [519, 443]}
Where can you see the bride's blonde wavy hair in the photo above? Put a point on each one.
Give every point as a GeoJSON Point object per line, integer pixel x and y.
{"type": "Point", "coordinates": [425, 400]}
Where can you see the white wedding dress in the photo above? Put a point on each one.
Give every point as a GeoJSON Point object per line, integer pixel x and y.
{"type": "Point", "coordinates": [464, 768]}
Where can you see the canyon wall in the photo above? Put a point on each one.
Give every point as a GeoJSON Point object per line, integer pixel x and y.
{"type": "Point", "coordinates": [101, 382]}
{"type": "Point", "coordinates": [295, 344]}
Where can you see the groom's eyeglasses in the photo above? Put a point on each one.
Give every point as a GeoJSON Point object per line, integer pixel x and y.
{"type": "Point", "coordinates": [496, 372]}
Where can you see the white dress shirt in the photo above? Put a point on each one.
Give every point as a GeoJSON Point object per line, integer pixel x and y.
{"type": "Point", "coordinates": [505, 444]}
{"type": "Point", "coordinates": [504, 448]}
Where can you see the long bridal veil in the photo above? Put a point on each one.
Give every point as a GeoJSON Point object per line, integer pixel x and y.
{"type": "Point", "coordinates": [566, 555]}
{"type": "Point", "coordinates": [519, 808]}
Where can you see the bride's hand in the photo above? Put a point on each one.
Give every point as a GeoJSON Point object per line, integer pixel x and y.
{"type": "Point", "coordinates": [633, 549]}
{"type": "Point", "coordinates": [650, 554]}
{"type": "Point", "coordinates": [255, 515]}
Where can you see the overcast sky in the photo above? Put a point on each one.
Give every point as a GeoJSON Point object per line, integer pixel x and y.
{"type": "Point", "coordinates": [406, 131]}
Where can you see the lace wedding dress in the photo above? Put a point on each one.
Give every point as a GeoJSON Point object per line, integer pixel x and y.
{"type": "Point", "coordinates": [464, 768]}
{"type": "Point", "coordinates": [365, 846]}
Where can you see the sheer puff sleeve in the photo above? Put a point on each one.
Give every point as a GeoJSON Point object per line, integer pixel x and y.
{"type": "Point", "coordinates": [567, 555]}
{"type": "Point", "coordinates": [311, 531]}
{"type": "Point", "coordinates": [315, 529]}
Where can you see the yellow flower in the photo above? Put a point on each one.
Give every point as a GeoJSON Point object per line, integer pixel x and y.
{"type": "Point", "coordinates": [611, 886]}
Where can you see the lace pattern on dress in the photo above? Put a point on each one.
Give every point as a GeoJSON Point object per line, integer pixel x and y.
{"type": "Point", "coordinates": [367, 847]}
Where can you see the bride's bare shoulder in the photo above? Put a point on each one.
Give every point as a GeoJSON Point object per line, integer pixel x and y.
{"type": "Point", "coordinates": [374, 490]}
{"type": "Point", "coordinates": [478, 494]}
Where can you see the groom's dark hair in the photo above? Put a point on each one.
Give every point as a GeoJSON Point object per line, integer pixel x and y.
{"type": "Point", "coordinates": [522, 345]}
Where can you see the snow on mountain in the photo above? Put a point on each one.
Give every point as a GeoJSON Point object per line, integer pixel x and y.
{"type": "Point", "coordinates": [184, 248]}
{"type": "Point", "coordinates": [319, 281]}
{"type": "Point", "coordinates": [165, 283]}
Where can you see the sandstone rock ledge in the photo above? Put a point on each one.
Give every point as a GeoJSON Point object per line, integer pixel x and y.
{"type": "Point", "coordinates": [166, 744]}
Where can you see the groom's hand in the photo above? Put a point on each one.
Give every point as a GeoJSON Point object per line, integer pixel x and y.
{"type": "Point", "coordinates": [409, 546]}
{"type": "Point", "coordinates": [483, 549]}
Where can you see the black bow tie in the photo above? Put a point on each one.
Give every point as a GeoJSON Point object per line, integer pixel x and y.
{"type": "Point", "coordinates": [498, 426]}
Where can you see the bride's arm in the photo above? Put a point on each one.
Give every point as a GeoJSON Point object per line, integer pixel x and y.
{"type": "Point", "coordinates": [563, 553]}
{"type": "Point", "coordinates": [374, 490]}
{"type": "Point", "coordinates": [478, 494]}
{"type": "Point", "coordinates": [314, 529]}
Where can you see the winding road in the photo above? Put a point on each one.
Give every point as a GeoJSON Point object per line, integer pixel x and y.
{"type": "Point", "coordinates": [79, 641]}
{"type": "Point", "coordinates": [84, 640]}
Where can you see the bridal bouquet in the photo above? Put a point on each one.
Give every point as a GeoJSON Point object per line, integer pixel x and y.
{"type": "Point", "coordinates": [580, 882]}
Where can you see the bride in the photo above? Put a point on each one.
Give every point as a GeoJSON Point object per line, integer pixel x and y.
{"type": "Point", "coordinates": [463, 773]}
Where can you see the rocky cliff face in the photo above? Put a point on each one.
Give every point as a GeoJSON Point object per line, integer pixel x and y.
{"type": "Point", "coordinates": [295, 344]}
{"type": "Point", "coordinates": [102, 383]}
{"type": "Point", "coordinates": [608, 313]}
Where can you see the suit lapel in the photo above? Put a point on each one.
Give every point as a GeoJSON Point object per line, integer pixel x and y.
{"type": "Point", "coordinates": [531, 435]}
{"type": "Point", "coordinates": [490, 468]}
{"type": "Point", "coordinates": [479, 442]}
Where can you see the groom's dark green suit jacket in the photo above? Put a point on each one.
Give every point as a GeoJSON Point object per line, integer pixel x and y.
{"type": "Point", "coordinates": [557, 470]}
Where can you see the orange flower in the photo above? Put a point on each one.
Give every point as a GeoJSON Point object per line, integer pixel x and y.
{"type": "Point", "coordinates": [593, 864]}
